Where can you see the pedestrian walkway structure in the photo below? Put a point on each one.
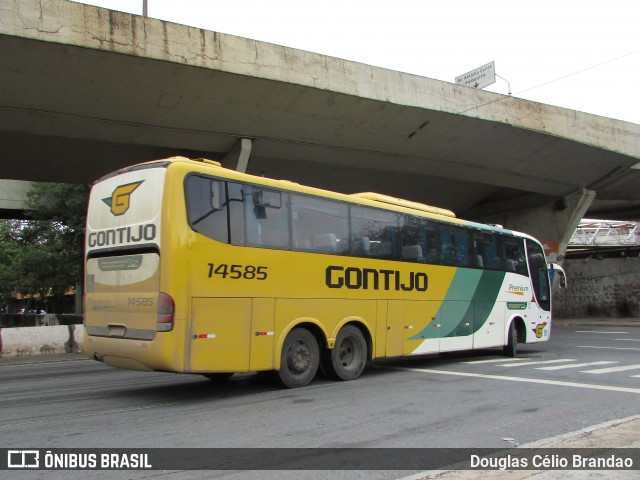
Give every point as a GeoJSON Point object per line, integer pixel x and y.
{"type": "Point", "coordinates": [87, 90]}
{"type": "Point", "coordinates": [605, 233]}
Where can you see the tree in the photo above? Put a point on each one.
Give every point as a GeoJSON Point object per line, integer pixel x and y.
{"type": "Point", "coordinates": [43, 256]}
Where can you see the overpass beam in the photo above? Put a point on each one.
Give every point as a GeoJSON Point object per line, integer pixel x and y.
{"type": "Point", "coordinates": [238, 157]}
{"type": "Point", "coordinates": [553, 224]}
{"type": "Point", "coordinates": [13, 198]}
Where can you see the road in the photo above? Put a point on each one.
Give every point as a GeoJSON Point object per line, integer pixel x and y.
{"type": "Point", "coordinates": [583, 376]}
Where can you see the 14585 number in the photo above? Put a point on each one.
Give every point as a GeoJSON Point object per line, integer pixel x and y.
{"type": "Point", "coordinates": [235, 272]}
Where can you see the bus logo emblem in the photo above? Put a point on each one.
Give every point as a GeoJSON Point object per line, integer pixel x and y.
{"type": "Point", "coordinates": [120, 199]}
{"type": "Point", "coordinates": [540, 330]}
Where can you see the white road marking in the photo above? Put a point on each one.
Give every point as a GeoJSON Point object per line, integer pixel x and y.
{"type": "Point", "coordinates": [626, 340]}
{"type": "Point", "coordinates": [576, 365]}
{"type": "Point", "coordinates": [600, 331]}
{"type": "Point", "coordinates": [494, 360]}
{"type": "Point", "coordinates": [589, 386]}
{"type": "Point", "coordinates": [623, 368]}
{"type": "Point", "coordinates": [608, 348]}
{"type": "Point", "coordinates": [540, 362]}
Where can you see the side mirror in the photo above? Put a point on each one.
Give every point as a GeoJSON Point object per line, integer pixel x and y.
{"type": "Point", "coordinates": [555, 269]}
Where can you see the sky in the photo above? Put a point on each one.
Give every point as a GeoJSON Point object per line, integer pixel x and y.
{"type": "Point", "coordinates": [578, 54]}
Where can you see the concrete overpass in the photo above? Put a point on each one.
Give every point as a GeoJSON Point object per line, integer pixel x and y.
{"type": "Point", "coordinates": [86, 90]}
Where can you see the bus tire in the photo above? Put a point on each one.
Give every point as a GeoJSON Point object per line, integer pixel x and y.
{"type": "Point", "coordinates": [349, 354]}
{"type": "Point", "coordinates": [299, 358]}
{"type": "Point", "coordinates": [510, 349]}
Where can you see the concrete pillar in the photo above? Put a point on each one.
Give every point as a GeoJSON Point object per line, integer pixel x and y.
{"type": "Point", "coordinates": [238, 157]}
{"type": "Point", "coordinates": [552, 224]}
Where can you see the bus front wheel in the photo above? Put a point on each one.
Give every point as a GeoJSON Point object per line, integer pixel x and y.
{"type": "Point", "coordinates": [299, 359]}
{"type": "Point", "coordinates": [512, 340]}
{"type": "Point", "coordinates": [347, 358]}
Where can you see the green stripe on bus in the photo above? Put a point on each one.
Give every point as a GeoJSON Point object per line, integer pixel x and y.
{"type": "Point", "coordinates": [467, 304]}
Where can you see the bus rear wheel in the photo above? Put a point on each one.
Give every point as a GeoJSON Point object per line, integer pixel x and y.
{"type": "Point", "coordinates": [347, 358]}
{"type": "Point", "coordinates": [299, 359]}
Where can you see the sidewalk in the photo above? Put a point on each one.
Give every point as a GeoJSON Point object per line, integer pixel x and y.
{"type": "Point", "coordinates": [597, 322]}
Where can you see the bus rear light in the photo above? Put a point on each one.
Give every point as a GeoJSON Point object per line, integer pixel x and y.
{"type": "Point", "coordinates": [166, 311]}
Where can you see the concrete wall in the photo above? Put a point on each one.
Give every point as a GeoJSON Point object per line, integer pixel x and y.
{"type": "Point", "coordinates": [597, 288]}
{"type": "Point", "coordinates": [40, 340]}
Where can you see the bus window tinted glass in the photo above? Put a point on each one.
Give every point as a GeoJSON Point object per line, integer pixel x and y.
{"type": "Point", "coordinates": [514, 256]}
{"type": "Point", "coordinates": [486, 251]}
{"type": "Point", "coordinates": [373, 233]}
{"type": "Point", "coordinates": [454, 246]}
{"type": "Point", "coordinates": [319, 225]}
{"type": "Point", "coordinates": [235, 195]}
{"type": "Point", "coordinates": [267, 217]}
{"type": "Point", "coordinates": [412, 244]}
{"type": "Point", "coordinates": [418, 240]}
{"type": "Point", "coordinates": [207, 207]}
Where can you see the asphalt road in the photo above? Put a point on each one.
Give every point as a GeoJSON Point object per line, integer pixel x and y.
{"type": "Point", "coordinates": [584, 376]}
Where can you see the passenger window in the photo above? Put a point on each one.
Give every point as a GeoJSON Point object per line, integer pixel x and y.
{"type": "Point", "coordinates": [267, 217]}
{"type": "Point", "coordinates": [207, 207]}
{"type": "Point", "coordinates": [373, 233]}
{"type": "Point", "coordinates": [235, 195]}
{"type": "Point", "coordinates": [514, 256]}
{"type": "Point", "coordinates": [319, 225]}
{"type": "Point", "coordinates": [418, 240]}
{"type": "Point", "coordinates": [486, 251]}
{"type": "Point", "coordinates": [412, 241]}
{"type": "Point", "coordinates": [454, 246]}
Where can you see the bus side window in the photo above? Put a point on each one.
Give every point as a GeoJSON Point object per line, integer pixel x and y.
{"type": "Point", "coordinates": [412, 244]}
{"type": "Point", "coordinates": [236, 213]}
{"type": "Point", "coordinates": [454, 246]}
{"type": "Point", "coordinates": [432, 251]}
{"type": "Point", "coordinates": [419, 240]}
{"type": "Point", "coordinates": [267, 217]}
{"type": "Point", "coordinates": [206, 200]}
{"type": "Point", "coordinates": [374, 233]}
{"type": "Point", "coordinates": [319, 225]}
{"type": "Point", "coordinates": [514, 256]}
{"type": "Point", "coordinates": [486, 250]}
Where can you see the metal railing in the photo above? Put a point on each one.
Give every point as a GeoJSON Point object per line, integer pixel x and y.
{"type": "Point", "coordinates": [606, 233]}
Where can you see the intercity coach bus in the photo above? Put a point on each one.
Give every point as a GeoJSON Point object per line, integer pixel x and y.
{"type": "Point", "coordinates": [195, 268]}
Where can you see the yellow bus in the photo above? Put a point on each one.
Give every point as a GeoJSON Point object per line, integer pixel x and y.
{"type": "Point", "coordinates": [195, 268]}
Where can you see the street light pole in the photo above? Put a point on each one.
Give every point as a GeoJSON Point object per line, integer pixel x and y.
{"type": "Point", "coordinates": [145, 11]}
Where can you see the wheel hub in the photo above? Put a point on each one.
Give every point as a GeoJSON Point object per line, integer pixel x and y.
{"type": "Point", "coordinates": [298, 358]}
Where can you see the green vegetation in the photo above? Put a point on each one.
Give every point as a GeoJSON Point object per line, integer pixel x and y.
{"type": "Point", "coordinates": [42, 256]}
